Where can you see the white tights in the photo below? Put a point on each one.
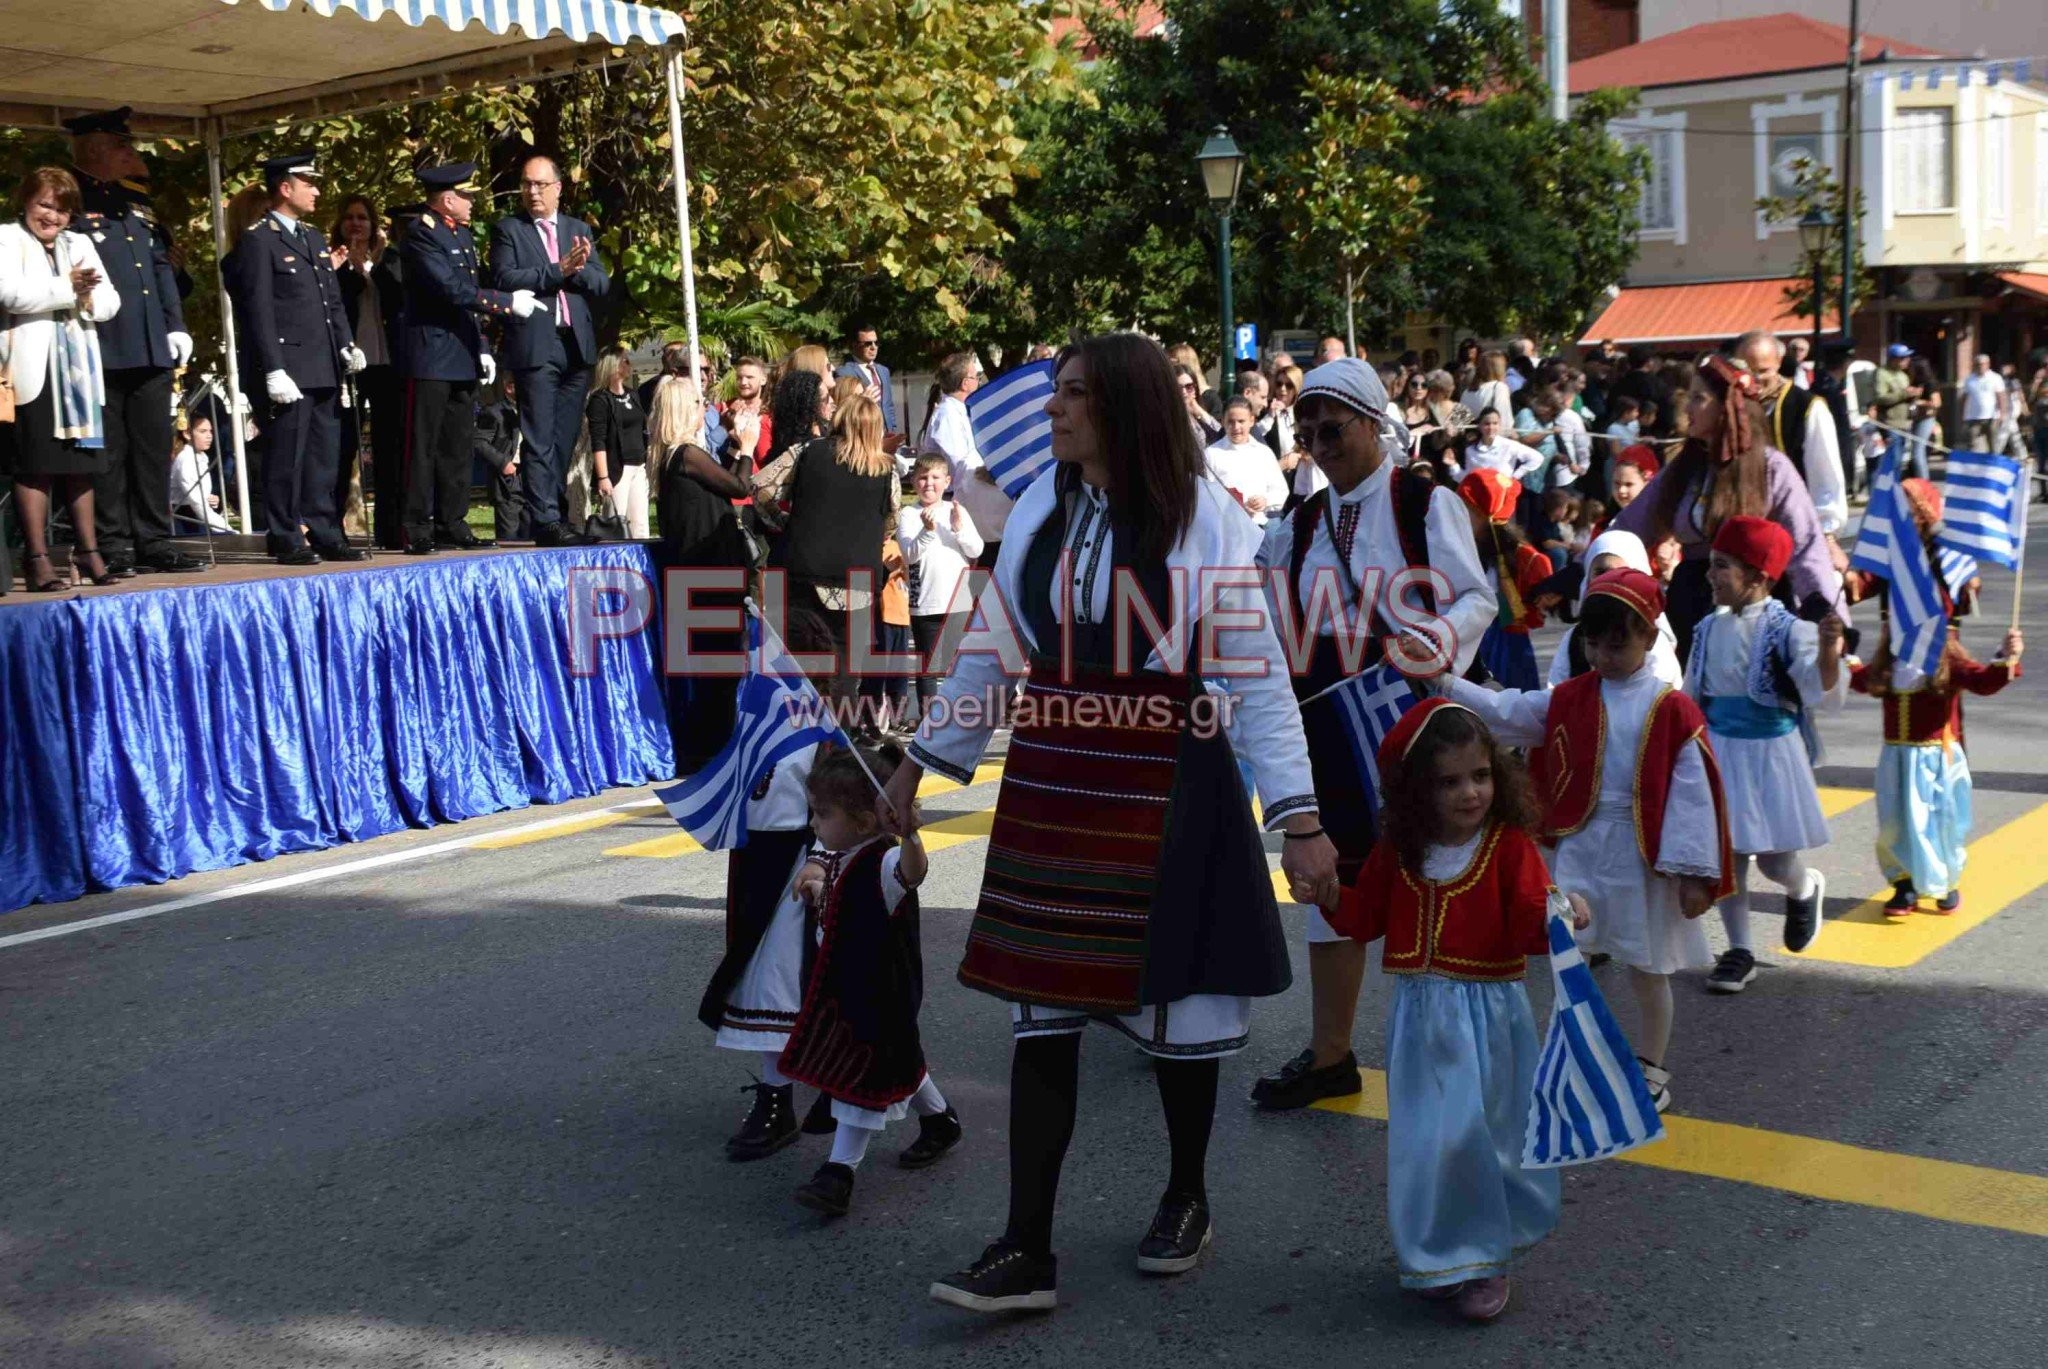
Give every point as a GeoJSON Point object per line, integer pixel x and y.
{"type": "Point", "coordinates": [1783, 868]}
{"type": "Point", "coordinates": [850, 1143]}
{"type": "Point", "coordinates": [1653, 1007]}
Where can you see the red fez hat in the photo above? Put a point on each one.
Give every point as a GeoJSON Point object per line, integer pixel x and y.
{"type": "Point", "coordinates": [1401, 738]}
{"type": "Point", "coordinates": [1756, 542]}
{"type": "Point", "coordinates": [1642, 456]}
{"type": "Point", "coordinates": [1493, 493]}
{"type": "Point", "coordinates": [1639, 591]}
{"type": "Point", "coordinates": [1925, 497]}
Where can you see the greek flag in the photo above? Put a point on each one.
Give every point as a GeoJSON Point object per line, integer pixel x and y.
{"type": "Point", "coordinates": [1984, 507]}
{"type": "Point", "coordinates": [1370, 703]}
{"type": "Point", "coordinates": [779, 712]}
{"type": "Point", "coordinates": [1590, 1099]}
{"type": "Point", "coordinates": [1889, 546]}
{"type": "Point", "coordinates": [1011, 430]}
{"type": "Point", "coordinates": [1957, 570]}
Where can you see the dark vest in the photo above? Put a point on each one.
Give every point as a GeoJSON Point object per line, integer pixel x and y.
{"type": "Point", "coordinates": [1411, 497]}
{"type": "Point", "coordinates": [1094, 644]}
{"type": "Point", "coordinates": [1786, 421]}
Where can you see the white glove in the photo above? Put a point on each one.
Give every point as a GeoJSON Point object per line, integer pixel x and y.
{"type": "Point", "coordinates": [488, 366]}
{"type": "Point", "coordinates": [281, 388]}
{"type": "Point", "coordinates": [524, 304]}
{"type": "Point", "coordinates": [352, 358]}
{"type": "Point", "coordinates": [181, 347]}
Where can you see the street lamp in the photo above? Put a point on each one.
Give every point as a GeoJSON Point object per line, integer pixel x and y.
{"type": "Point", "coordinates": [1222, 171]}
{"type": "Point", "coordinates": [1815, 229]}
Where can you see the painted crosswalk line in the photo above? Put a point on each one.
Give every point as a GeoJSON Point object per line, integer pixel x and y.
{"type": "Point", "coordinates": [1835, 802]}
{"type": "Point", "coordinates": [1972, 1195]}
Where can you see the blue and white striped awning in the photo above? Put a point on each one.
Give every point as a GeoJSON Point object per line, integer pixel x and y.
{"type": "Point", "coordinates": [609, 21]}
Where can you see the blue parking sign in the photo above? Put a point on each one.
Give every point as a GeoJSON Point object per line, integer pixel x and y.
{"type": "Point", "coordinates": [1247, 342]}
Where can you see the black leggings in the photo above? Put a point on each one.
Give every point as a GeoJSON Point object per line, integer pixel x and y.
{"type": "Point", "coordinates": [1045, 1073]}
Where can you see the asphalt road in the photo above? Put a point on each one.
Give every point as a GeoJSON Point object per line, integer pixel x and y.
{"type": "Point", "coordinates": [456, 1109]}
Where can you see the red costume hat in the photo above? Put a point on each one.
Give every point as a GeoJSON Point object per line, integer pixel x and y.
{"type": "Point", "coordinates": [1401, 738]}
{"type": "Point", "coordinates": [1643, 457]}
{"type": "Point", "coordinates": [1492, 493]}
{"type": "Point", "coordinates": [1756, 542]}
{"type": "Point", "coordinates": [1639, 591]}
{"type": "Point", "coordinates": [1925, 497]}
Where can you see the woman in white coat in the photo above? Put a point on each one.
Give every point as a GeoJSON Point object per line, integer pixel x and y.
{"type": "Point", "coordinates": [52, 290]}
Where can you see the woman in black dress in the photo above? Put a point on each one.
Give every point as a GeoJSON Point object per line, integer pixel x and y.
{"type": "Point", "coordinates": [52, 289]}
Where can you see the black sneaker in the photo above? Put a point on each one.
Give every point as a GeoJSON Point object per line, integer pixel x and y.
{"type": "Point", "coordinates": [1802, 915]}
{"type": "Point", "coordinates": [1949, 902]}
{"type": "Point", "coordinates": [819, 1121]}
{"type": "Point", "coordinates": [1004, 1279]}
{"type": "Point", "coordinates": [769, 1127]}
{"type": "Point", "coordinates": [936, 1135]}
{"type": "Point", "coordinates": [1732, 972]}
{"type": "Point", "coordinates": [1903, 900]}
{"type": "Point", "coordinates": [1298, 1083]}
{"type": "Point", "coordinates": [1181, 1231]}
{"type": "Point", "coordinates": [830, 1190]}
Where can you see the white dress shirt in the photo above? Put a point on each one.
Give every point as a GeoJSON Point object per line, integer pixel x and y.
{"type": "Point", "coordinates": [1518, 459]}
{"type": "Point", "coordinates": [940, 555]}
{"type": "Point", "coordinates": [1249, 470]}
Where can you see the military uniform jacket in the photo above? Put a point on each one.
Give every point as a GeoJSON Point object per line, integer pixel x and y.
{"type": "Point", "coordinates": [444, 302]}
{"type": "Point", "coordinates": [289, 314]}
{"type": "Point", "coordinates": [135, 250]}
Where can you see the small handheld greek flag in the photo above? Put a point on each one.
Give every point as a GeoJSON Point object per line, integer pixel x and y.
{"type": "Point", "coordinates": [1888, 545]}
{"type": "Point", "coordinates": [1370, 703]}
{"type": "Point", "coordinates": [1590, 1099]}
{"type": "Point", "coordinates": [1984, 507]}
{"type": "Point", "coordinates": [1011, 430]}
{"type": "Point", "coordinates": [779, 711]}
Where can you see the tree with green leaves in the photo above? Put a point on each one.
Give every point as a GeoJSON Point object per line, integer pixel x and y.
{"type": "Point", "coordinates": [1814, 187]}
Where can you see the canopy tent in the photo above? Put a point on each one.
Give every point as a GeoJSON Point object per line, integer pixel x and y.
{"type": "Point", "coordinates": [212, 69]}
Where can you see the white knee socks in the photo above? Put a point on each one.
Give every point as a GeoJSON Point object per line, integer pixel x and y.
{"type": "Point", "coordinates": [1783, 868]}
{"type": "Point", "coordinates": [770, 1075]}
{"type": "Point", "coordinates": [850, 1145]}
{"type": "Point", "coordinates": [928, 1101]}
{"type": "Point", "coordinates": [1653, 1006]}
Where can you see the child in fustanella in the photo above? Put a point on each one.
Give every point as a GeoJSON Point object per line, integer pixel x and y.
{"type": "Point", "coordinates": [1459, 890]}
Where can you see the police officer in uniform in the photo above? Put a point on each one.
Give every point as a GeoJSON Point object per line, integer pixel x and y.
{"type": "Point", "coordinates": [140, 346]}
{"type": "Point", "coordinates": [296, 346]}
{"type": "Point", "coordinates": [446, 357]}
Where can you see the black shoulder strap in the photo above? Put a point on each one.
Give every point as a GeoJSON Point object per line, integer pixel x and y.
{"type": "Point", "coordinates": [1411, 495]}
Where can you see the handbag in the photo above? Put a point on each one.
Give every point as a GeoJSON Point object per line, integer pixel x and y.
{"type": "Point", "coordinates": [770, 486]}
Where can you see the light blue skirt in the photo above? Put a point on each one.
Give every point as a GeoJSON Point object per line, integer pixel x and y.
{"type": "Point", "coordinates": [1923, 815]}
{"type": "Point", "coordinates": [1461, 1060]}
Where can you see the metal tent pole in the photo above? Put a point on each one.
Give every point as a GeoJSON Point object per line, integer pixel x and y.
{"type": "Point", "coordinates": [227, 323]}
{"type": "Point", "coordinates": [675, 147]}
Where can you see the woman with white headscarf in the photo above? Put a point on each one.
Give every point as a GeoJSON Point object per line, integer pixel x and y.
{"type": "Point", "coordinates": [1612, 550]}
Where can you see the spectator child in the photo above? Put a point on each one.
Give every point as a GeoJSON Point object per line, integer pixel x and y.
{"type": "Point", "coordinates": [1557, 527]}
{"type": "Point", "coordinates": [1592, 520]}
{"type": "Point", "coordinates": [940, 545]}
{"type": "Point", "coordinates": [1624, 428]}
{"type": "Point", "coordinates": [1245, 465]}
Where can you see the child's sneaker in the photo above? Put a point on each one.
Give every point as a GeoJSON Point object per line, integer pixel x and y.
{"type": "Point", "coordinates": [1949, 902]}
{"type": "Point", "coordinates": [1733, 971]}
{"type": "Point", "coordinates": [830, 1190]}
{"type": "Point", "coordinates": [1902, 901]}
{"type": "Point", "coordinates": [1802, 915]}
{"type": "Point", "coordinates": [1659, 1081]}
{"type": "Point", "coordinates": [770, 1125]}
{"type": "Point", "coordinates": [1005, 1279]}
{"type": "Point", "coordinates": [936, 1135]}
{"type": "Point", "coordinates": [1483, 1299]}
{"type": "Point", "coordinates": [819, 1121]}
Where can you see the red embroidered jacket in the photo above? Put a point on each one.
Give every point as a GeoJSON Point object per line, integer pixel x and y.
{"type": "Point", "coordinates": [1480, 924]}
{"type": "Point", "coordinates": [1932, 717]}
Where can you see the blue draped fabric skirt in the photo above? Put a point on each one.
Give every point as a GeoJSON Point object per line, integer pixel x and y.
{"type": "Point", "coordinates": [1461, 1061]}
{"type": "Point", "coordinates": [1923, 815]}
{"type": "Point", "coordinates": [146, 736]}
{"type": "Point", "coordinates": [1510, 657]}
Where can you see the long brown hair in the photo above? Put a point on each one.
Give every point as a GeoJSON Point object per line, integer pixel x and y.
{"type": "Point", "coordinates": [1732, 469]}
{"type": "Point", "coordinates": [334, 235]}
{"type": "Point", "coordinates": [857, 437]}
{"type": "Point", "coordinates": [1155, 468]}
{"type": "Point", "coordinates": [1408, 820]}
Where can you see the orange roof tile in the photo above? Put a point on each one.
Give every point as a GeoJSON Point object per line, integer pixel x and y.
{"type": "Point", "coordinates": [2033, 282]}
{"type": "Point", "coordinates": [1699, 313]}
{"type": "Point", "coordinates": [1731, 49]}
{"type": "Point", "coordinates": [1149, 22]}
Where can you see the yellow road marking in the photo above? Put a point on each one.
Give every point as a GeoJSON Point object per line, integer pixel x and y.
{"type": "Point", "coordinates": [661, 848]}
{"type": "Point", "coordinates": [1835, 802]}
{"type": "Point", "coordinates": [955, 830]}
{"type": "Point", "coordinates": [935, 783]}
{"type": "Point", "coordinates": [1942, 1189]}
{"type": "Point", "coordinates": [561, 829]}
{"type": "Point", "coordinates": [2004, 868]}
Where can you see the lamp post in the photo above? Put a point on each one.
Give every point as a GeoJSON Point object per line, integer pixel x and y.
{"type": "Point", "coordinates": [1815, 228]}
{"type": "Point", "coordinates": [1222, 167]}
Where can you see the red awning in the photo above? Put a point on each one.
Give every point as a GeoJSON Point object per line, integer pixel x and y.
{"type": "Point", "coordinates": [2033, 282]}
{"type": "Point", "coordinates": [1700, 313]}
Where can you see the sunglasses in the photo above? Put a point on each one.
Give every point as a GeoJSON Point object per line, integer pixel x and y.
{"type": "Point", "coordinates": [1332, 433]}
{"type": "Point", "coordinates": [1188, 385]}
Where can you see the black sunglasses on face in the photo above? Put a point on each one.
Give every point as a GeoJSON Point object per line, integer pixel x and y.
{"type": "Point", "coordinates": [1333, 433]}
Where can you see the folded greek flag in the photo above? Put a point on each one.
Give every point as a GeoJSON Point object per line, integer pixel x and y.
{"type": "Point", "coordinates": [1984, 507]}
{"type": "Point", "coordinates": [1011, 430]}
{"type": "Point", "coordinates": [1590, 1099]}
{"type": "Point", "coordinates": [779, 712]}
{"type": "Point", "coordinates": [1370, 703]}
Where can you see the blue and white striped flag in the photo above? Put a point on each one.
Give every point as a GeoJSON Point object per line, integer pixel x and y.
{"type": "Point", "coordinates": [1370, 703]}
{"type": "Point", "coordinates": [1889, 547]}
{"type": "Point", "coordinates": [1984, 507]}
{"type": "Point", "coordinates": [1873, 549]}
{"type": "Point", "coordinates": [1011, 430]}
{"type": "Point", "coordinates": [779, 711]}
{"type": "Point", "coordinates": [1957, 570]}
{"type": "Point", "coordinates": [1590, 1099]}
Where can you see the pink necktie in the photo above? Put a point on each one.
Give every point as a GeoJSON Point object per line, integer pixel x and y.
{"type": "Point", "coordinates": [547, 233]}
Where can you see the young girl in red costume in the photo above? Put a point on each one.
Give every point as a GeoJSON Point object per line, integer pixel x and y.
{"type": "Point", "coordinates": [1631, 800]}
{"type": "Point", "coordinates": [1458, 889]}
{"type": "Point", "coordinates": [1514, 569]}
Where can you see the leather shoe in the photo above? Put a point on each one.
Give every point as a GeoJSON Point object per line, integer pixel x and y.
{"type": "Point", "coordinates": [420, 546]}
{"type": "Point", "coordinates": [341, 551]}
{"type": "Point", "coordinates": [298, 556]}
{"type": "Point", "coordinates": [168, 561]}
{"type": "Point", "coordinates": [1298, 1083]}
{"type": "Point", "coordinates": [561, 535]}
{"type": "Point", "coordinates": [463, 541]}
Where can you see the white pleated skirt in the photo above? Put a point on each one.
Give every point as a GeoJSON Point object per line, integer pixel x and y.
{"type": "Point", "coordinates": [1772, 802]}
{"type": "Point", "coordinates": [1636, 918]}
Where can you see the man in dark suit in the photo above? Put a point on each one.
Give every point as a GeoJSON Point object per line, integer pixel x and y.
{"type": "Point", "coordinates": [293, 332]}
{"type": "Point", "coordinates": [446, 357]}
{"type": "Point", "coordinates": [140, 346]}
{"type": "Point", "coordinates": [863, 347]}
{"type": "Point", "coordinates": [551, 352]}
